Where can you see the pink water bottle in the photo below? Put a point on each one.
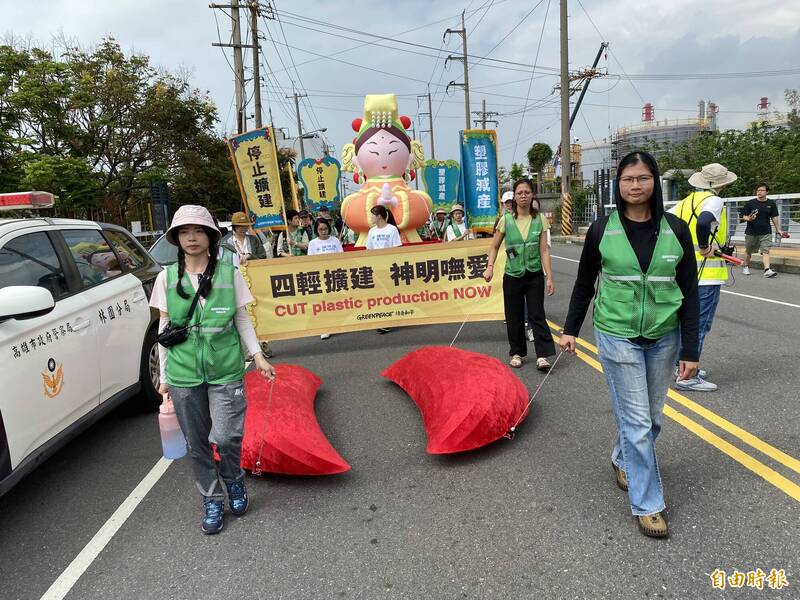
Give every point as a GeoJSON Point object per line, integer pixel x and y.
{"type": "Point", "coordinates": [172, 441]}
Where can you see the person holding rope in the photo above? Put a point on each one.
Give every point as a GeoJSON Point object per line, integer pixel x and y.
{"type": "Point", "coordinates": [202, 370]}
{"type": "Point", "coordinates": [646, 309]}
{"type": "Point", "coordinates": [527, 274]}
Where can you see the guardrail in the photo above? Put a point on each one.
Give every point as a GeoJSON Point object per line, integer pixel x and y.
{"type": "Point", "coordinates": [788, 215]}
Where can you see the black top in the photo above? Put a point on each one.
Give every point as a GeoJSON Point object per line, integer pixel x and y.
{"type": "Point", "coordinates": [762, 224]}
{"type": "Point", "coordinates": [642, 237]}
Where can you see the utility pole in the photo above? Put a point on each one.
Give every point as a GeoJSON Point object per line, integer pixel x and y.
{"type": "Point", "coordinates": [430, 119]}
{"type": "Point", "coordinates": [297, 97]}
{"type": "Point", "coordinates": [482, 114]}
{"type": "Point", "coordinates": [253, 6]}
{"type": "Point", "coordinates": [241, 116]}
{"type": "Point", "coordinates": [566, 199]}
{"type": "Point", "coordinates": [463, 33]}
{"type": "Point", "coordinates": [413, 136]}
{"type": "Point", "coordinates": [238, 66]}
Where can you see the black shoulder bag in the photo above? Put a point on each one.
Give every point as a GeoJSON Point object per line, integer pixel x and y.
{"type": "Point", "coordinates": [172, 335]}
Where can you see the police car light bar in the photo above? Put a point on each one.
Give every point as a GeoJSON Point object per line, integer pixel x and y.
{"type": "Point", "coordinates": [26, 200]}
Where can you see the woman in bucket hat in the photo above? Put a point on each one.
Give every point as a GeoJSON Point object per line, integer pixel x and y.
{"type": "Point", "coordinates": [457, 230]}
{"type": "Point", "coordinates": [203, 375]}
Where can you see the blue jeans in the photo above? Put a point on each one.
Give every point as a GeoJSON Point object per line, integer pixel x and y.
{"type": "Point", "coordinates": [638, 377]}
{"type": "Point", "coordinates": [709, 300]}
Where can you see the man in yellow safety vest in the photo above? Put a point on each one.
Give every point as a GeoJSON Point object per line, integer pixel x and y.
{"type": "Point", "coordinates": [704, 211]}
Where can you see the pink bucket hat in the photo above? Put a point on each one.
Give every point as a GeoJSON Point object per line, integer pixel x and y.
{"type": "Point", "coordinates": [190, 214]}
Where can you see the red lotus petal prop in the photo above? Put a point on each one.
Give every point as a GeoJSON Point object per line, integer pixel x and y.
{"type": "Point", "coordinates": [293, 443]}
{"type": "Point", "coordinates": [467, 400]}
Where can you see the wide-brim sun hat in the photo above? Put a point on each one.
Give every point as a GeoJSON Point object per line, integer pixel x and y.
{"type": "Point", "coordinates": [440, 211]}
{"type": "Point", "coordinates": [456, 207]}
{"type": "Point", "coordinates": [240, 219]}
{"type": "Point", "coordinates": [190, 214]}
{"type": "Point", "coordinates": [713, 175]}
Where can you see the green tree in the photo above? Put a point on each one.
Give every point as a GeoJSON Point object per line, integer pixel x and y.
{"type": "Point", "coordinates": [128, 123]}
{"type": "Point", "coordinates": [538, 156]}
{"type": "Point", "coordinates": [761, 153]}
{"type": "Point", "coordinates": [515, 172]}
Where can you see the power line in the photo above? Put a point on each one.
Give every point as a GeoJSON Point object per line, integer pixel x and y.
{"type": "Point", "coordinates": [602, 39]}
{"type": "Point", "coordinates": [530, 83]}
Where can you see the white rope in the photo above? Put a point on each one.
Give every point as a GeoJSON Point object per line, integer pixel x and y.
{"type": "Point", "coordinates": [527, 408]}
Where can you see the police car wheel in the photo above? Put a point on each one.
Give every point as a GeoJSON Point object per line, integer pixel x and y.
{"type": "Point", "coordinates": [149, 372]}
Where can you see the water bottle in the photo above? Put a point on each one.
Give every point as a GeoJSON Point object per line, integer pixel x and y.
{"type": "Point", "coordinates": [172, 440]}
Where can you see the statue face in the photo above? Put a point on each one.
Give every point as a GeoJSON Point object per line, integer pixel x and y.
{"type": "Point", "coordinates": [383, 155]}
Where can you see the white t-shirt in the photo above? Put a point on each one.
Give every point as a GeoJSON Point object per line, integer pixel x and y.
{"type": "Point", "coordinates": [329, 246]}
{"type": "Point", "coordinates": [384, 237]}
{"type": "Point", "coordinates": [158, 299]}
{"type": "Point", "coordinates": [712, 204]}
{"type": "Point", "coordinates": [450, 233]}
{"type": "Point", "coordinates": [242, 248]}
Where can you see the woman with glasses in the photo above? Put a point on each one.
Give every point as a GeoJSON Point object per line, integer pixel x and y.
{"type": "Point", "coordinates": [645, 310]}
{"type": "Point", "coordinates": [527, 274]}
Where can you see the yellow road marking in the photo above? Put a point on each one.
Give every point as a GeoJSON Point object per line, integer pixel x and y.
{"type": "Point", "coordinates": [712, 417]}
{"type": "Point", "coordinates": [770, 475]}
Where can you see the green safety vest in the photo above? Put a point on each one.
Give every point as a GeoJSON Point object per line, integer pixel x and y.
{"type": "Point", "coordinates": [527, 251]}
{"type": "Point", "coordinates": [631, 303]}
{"type": "Point", "coordinates": [688, 210]}
{"type": "Point", "coordinates": [212, 353]}
{"type": "Point", "coordinates": [227, 256]}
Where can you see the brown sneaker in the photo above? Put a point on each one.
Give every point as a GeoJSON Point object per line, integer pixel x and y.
{"type": "Point", "coordinates": [653, 525]}
{"type": "Point", "coordinates": [622, 481]}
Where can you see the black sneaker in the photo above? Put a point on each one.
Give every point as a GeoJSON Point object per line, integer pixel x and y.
{"type": "Point", "coordinates": [383, 330]}
{"type": "Point", "coordinates": [237, 497]}
{"type": "Point", "coordinates": [213, 511]}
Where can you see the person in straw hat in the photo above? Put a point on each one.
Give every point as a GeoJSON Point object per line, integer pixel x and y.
{"type": "Point", "coordinates": [457, 230]}
{"type": "Point", "coordinates": [245, 245]}
{"type": "Point", "coordinates": [203, 374]}
{"type": "Point", "coordinates": [704, 212]}
{"type": "Point", "coordinates": [438, 224]}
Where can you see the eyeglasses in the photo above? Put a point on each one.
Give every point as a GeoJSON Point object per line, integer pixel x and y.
{"type": "Point", "coordinates": [523, 193]}
{"type": "Point", "coordinates": [639, 179]}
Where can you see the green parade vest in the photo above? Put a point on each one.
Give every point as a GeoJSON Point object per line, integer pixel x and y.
{"type": "Point", "coordinates": [631, 303]}
{"type": "Point", "coordinates": [227, 256]}
{"type": "Point", "coordinates": [456, 230]}
{"type": "Point", "coordinates": [527, 251]}
{"type": "Point", "coordinates": [688, 210]}
{"type": "Point", "coordinates": [212, 353]}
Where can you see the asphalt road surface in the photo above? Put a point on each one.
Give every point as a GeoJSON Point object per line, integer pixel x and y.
{"type": "Point", "coordinates": [535, 517]}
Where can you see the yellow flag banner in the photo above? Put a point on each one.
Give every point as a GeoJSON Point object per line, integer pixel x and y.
{"type": "Point", "coordinates": [368, 289]}
{"type": "Point", "coordinates": [255, 160]}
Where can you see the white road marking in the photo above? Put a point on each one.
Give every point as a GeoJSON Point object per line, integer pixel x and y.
{"type": "Point", "coordinates": [723, 291]}
{"type": "Point", "coordinates": [762, 299]}
{"type": "Point", "coordinates": [77, 567]}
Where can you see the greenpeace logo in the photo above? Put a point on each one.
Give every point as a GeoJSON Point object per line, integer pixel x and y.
{"type": "Point", "coordinates": [670, 257]}
{"type": "Point", "coordinates": [220, 310]}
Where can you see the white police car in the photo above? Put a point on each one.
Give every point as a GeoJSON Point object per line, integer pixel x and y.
{"type": "Point", "coordinates": [77, 336]}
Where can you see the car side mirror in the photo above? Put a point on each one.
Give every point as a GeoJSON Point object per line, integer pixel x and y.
{"type": "Point", "coordinates": [25, 302]}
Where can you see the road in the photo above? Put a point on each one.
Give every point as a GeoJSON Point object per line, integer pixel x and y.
{"type": "Point", "coordinates": [535, 517]}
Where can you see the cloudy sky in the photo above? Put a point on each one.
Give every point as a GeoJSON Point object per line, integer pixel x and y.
{"type": "Point", "coordinates": [336, 52]}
